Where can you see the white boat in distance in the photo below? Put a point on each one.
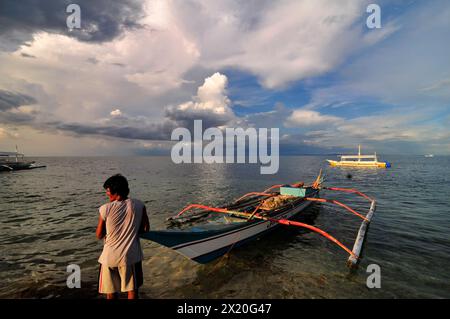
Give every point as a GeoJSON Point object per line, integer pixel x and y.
{"type": "Point", "coordinates": [359, 161]}
{"type": "Point", "coordinates": [14, 161]}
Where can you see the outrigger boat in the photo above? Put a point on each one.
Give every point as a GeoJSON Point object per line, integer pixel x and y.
{"type": "Point", "coordinates": [14, 161]}
{"type": "Point", "coordinates": [249, 217]}
{"type": "Point", "coordinates": [359, 161]}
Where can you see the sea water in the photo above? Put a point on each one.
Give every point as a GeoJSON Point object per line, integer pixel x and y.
{"type": "Point", "coordinates": [48, 218]}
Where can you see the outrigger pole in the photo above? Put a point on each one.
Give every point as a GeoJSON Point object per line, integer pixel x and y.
{"type": "Point", "coordinates": [357, 247]}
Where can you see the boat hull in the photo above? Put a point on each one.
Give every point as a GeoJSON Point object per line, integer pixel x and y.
{"type": "Point", "coordinates": [205, 246]}
{"type": "Point", "coordinates": [17, 166]}
{"type": "Point", "coordinates": [358, 164]}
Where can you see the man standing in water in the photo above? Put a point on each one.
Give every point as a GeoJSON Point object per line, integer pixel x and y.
{"type": "Point", "coordinates": [120, 223]}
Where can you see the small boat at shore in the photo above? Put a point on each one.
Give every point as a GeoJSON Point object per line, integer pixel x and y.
{"type": "Point", "coordinates": [211, 232]}
{"type": "Point", "coordinates": [14, 161]}
{"type": "Point", "coordinates": [359, 161]}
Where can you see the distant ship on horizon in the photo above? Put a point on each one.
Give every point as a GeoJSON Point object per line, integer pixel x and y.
{"type": "Point", "coordinates": [14, 161]}
{"type": "Point", "coordinates": [359, 161]}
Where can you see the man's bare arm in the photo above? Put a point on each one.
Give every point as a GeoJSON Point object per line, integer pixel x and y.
{"type": "Point", "coordinates": [101, 228]}
{"type": "Point", "coordinates": [145, 224]}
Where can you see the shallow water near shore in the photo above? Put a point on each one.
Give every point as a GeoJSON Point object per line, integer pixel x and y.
{"type": "Point", "coordinates": [48, 218]}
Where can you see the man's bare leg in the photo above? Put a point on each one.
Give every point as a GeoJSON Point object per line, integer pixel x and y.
{"type": "Point", "coordinates": [112, 296]}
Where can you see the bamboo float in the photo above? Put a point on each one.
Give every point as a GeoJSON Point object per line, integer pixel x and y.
{"type": "Point", "coordinates": [357, 247]}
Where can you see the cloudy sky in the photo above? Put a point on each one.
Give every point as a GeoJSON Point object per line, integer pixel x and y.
{"type": "Point", "coordinates": [138, 69]}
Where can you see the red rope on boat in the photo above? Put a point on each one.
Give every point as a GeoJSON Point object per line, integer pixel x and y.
{"type": "Point", "coordinates": [332, 201]}
{"type": "Point", "coordinates": [349, 190]}
{"type": "Point", "coordinates": [272, 187]}
{"type": "Point", "coordinates": [274, 220]}
{"type": "Point", "coordinates": [189, 207]}
{"type": "Point", "coordinates": [314, 229]}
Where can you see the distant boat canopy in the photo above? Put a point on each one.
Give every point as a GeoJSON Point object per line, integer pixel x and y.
{"type": "Point", "coordinates": [7, 154]}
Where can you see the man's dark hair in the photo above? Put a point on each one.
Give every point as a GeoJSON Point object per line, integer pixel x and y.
{"type": "Point", "coordinates": [117, 184]}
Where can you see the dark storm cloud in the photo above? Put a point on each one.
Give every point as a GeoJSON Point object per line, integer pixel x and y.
{"type": "Point", "coordinates": [273, 118]}
{"type": "Point", "coordinates": [11, 100]}
{"type": "Point", "coordinates": [150, 132]}
{"type": "Point", "coordinates": [295, 144]}
{"type": "Point", "coordinates": [185, 118]}
{"type": "Point", "coordinates": [16, 118]}
{"type": "Point", "coordinates": [160, 131]}
{"type": "Point", "coordinates": [142, 127]}
{"type": "Point", "coordinates": [25, 55]}
{"type": "Point", "coordinates": [118, 126]}
{"type": "Point", "coordinates": [101, 20]}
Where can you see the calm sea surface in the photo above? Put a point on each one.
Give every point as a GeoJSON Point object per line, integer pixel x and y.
{"type": "Point", "coordinates": [48, 219]}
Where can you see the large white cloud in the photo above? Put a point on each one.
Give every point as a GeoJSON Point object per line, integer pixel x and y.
{"type": "Point", "coordinates": [211, 104]}
{"type": "Point", "coordinates": [278, 41]}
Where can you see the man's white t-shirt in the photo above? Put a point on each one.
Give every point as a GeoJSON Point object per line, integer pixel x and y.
{"type": "Point", "coordinates": [121, 244]}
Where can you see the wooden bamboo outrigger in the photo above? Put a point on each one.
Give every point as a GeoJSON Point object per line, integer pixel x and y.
{"type": "Point", "coordinates": [205, 245]}
{"type": "Point", "coordinates": [357, 246]}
